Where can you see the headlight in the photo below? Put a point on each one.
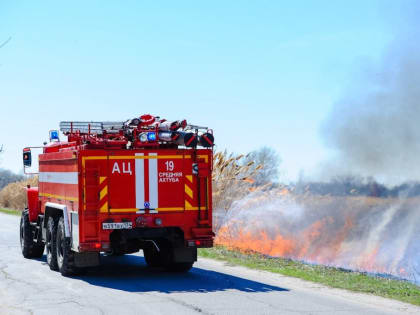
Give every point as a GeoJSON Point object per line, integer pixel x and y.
{"type": "Point", "coordinates": [143, 137]}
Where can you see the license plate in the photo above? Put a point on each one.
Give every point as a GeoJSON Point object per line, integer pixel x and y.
{"type": "Point", "coordinates": [117, 225]}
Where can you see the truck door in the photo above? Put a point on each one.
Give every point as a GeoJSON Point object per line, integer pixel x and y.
{"type": "Point", "coordinates": [146, 182]}
{"type": "Point", "coordinates": [170, 182]}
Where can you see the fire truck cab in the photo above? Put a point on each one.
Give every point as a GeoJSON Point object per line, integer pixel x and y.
{"type": "Point", "coordinates": [120, 187]}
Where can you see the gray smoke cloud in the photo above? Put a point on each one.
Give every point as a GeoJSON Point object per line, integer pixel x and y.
{"type": "Point", "coordinates": [375, 130]}
{"type": "Point", "coordinates": [375, 127]}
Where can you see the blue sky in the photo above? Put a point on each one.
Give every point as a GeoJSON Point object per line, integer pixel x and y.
{"type": "Point", "coordinates": [257, 72]}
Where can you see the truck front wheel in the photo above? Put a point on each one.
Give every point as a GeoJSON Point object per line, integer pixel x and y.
{"type": "Point", "coordinates": [65, 256]}
{"type": "Point", "coordinates": [29, 247]}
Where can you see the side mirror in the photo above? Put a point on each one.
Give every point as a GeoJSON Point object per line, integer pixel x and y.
{"type": "Point", "coordinates": [27, 157]}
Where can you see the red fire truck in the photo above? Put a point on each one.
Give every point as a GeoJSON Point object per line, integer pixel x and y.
{"type": "Point", "coordinates": [120, 187]}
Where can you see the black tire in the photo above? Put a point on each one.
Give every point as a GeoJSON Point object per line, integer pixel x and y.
{"type": "Point", "coordinates": [30, 248]}
{"type": "Point", "coordinates": [181, 266]}
{"type": "Point", "coordinates": [116, 253]}
{"type": "Point", "coordinates": [65, 256]}
{"type": "Point", "coordinates": [51, 244]}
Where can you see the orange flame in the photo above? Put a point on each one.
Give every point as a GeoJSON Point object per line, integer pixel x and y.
{"type": "Point", "coordinates": [324, 241]}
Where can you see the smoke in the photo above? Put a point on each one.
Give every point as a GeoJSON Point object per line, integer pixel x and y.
{"type": "Point", "coordinates": [374, 130]}
{"type": "Point", "coordinates": [374, 127]}
{"type": "Point", "coordinates": [365, 234]}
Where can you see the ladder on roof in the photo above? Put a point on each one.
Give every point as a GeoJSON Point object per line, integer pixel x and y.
{"type": "Point", "coordinates": [93, 127]}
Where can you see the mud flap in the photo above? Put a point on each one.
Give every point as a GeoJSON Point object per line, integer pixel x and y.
{"type": "Point", "coordinates": [89, 259]}
{"type": "Point", "coordinates": [184, 255]}
{"type": "Point", "coordinates": [74, 223]}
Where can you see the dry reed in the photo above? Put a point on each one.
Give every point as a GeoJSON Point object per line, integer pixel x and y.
{"type": "Point", "coordinates": [232, 180]}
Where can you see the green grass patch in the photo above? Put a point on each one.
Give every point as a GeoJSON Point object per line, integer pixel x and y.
{"type": "Point", "coordinates": [333, 277]}
{"type": "Point", "coordinates": [11, 211]}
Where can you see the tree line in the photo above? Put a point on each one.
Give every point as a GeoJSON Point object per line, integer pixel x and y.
{"type": "Point", "coordinates": [7, 177]}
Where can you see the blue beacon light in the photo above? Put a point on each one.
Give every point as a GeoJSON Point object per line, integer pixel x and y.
{"type": "Point", "coordinates": [54, 135]}
{"type": "Point", "coordinates": [151, 136]}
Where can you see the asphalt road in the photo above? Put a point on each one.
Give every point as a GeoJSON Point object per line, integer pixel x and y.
{"type": "Point", "coordinates": [124, 285]}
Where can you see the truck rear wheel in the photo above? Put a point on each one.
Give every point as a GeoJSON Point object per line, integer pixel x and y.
{"type": "Point", "coordinates": [155, 258]}
{"type": "Point", "coordinates": [182, 259]}
{"type": "Point", "coordinates": [29, 247]}
{"type": "Point", "coordinates": [166, 257]}
{"type": "Point", "coordinates": [65, 256]}
{"type": "Point", "coordinates": [51, 243]}
{"type": "Point", "coordinates": [180, 267]}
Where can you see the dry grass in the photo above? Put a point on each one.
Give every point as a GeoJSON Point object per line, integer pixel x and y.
{"type": "Point", "coordinates": [13, 196]}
